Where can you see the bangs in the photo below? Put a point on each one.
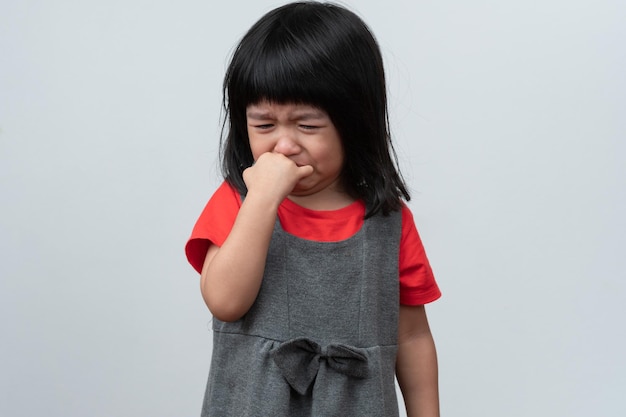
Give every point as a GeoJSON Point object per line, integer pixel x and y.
{"type": "Point", "coordinates": [288, 63]}
{"type": "Point", "coordinates": [281, 75]}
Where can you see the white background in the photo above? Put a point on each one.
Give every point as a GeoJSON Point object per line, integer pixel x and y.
{"type": "Point", "coordinates": [509, 120]}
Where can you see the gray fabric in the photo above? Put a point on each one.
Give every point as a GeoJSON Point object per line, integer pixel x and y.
{"type": "Point", "coordinates": [299, 361]}
{"type": "Point", "coordinates": [321, 338]}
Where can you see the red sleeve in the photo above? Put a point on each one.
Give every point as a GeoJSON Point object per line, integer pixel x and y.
{"type": "Point", "coordinates": [213, 225]}
{"type": "Point", "coordinates": [417, 283]}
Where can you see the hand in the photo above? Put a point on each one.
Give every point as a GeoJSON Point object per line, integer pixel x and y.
{"type": "Point", "coordinates": [274, 175]}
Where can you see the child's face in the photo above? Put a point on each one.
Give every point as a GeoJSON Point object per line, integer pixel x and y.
{"type": "Point", "coordinates": [303, 133]}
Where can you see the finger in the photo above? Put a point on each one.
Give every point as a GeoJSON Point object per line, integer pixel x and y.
{"type": "Point", "coordinates": [305, 171]}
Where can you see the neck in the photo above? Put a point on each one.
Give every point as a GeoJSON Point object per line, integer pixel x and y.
{"type": "Point", "coordinates": [327, 202]}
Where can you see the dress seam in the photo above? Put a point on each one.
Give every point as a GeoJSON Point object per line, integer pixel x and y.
{"type": "Point", "coordinates": [281, 341]}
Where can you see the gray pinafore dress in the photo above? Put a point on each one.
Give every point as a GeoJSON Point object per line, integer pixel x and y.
{"type": "Point", "coordinates": [321, 338]}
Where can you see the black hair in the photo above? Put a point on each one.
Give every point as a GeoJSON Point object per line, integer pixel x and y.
{"type": "Point", "coordinates": [323, 55]}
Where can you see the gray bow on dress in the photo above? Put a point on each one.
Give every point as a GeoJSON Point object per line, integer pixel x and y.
{"type": "Point", "coordinates": [299, 361]}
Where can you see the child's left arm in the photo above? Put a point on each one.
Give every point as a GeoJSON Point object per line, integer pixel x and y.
{"type": "Point", "coordinates": [416, 365]}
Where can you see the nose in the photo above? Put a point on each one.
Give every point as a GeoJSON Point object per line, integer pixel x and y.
{"type": "Point", "coordinates": [286, 143]}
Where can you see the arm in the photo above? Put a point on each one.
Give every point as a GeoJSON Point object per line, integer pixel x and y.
{"type": "Point", "coordinates": [416, 366]}
{"type": "Point", "coordinates": [232, 274]}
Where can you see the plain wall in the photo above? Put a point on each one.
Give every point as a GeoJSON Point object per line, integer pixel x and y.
{"type": "Point", "coordinates": [509, 121]}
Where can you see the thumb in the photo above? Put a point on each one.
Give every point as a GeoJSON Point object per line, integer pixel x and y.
{"type": "Point", "coordinates": [305, 170]}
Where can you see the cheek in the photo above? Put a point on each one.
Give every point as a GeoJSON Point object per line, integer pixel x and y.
{"type": "Point", "coordinates": [254, 150]}
{"type": "Point", "coordinates": [256, 147]}
{"type": "Point", "coordinates": [339, 158]}
{"type": "Point", "coordinates": [337, 155]}
{"type": "Point", "coordinates": [332, 160]}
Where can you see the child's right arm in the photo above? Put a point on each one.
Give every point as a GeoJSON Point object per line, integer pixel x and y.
{"type": "Point", "coordinates": [232, 274]}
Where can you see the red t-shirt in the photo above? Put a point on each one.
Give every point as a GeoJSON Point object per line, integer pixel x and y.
{"type": "Point", "coordinates": [417, 283]}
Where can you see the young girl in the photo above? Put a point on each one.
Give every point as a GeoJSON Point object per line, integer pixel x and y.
{"type": "Point", "coordinates": [310, 262]}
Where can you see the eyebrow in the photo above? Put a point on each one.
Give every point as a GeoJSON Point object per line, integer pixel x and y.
{"type": "Point", "coordinates": [296, 115]}
{"type": "Point", "coordinates": [258, 115]}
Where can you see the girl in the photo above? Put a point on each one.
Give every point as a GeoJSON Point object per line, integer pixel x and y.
{"type": "Point", "coordinates": [310, 262]}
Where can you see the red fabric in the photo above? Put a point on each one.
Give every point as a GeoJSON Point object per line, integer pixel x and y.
{"type": "Point", "coordinates": [417, 283]}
